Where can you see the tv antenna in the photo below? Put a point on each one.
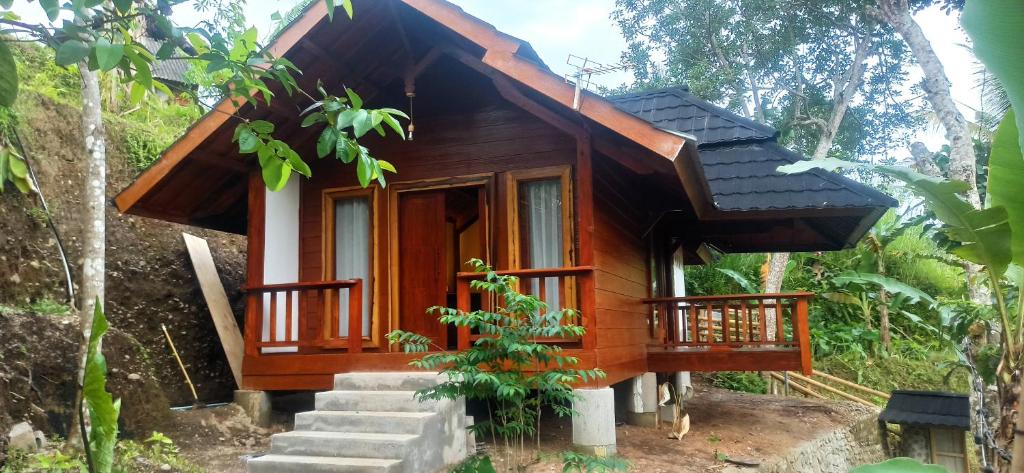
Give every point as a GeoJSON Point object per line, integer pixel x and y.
{"type": "Point", "coordinates": [586, 69]}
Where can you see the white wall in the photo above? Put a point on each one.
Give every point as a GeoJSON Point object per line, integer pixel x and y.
{"type": "Point", "coordinates": [281, 257]}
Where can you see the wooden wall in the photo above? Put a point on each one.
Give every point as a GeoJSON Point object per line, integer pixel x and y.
{"type": "Point", "coordinates": [622, 276]}
{"type": "Point", "coordinates": [490, 140]}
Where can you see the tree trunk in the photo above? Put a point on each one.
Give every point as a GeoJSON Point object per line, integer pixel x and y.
{"type": "Point", "coordinates": [962, 160]}
{"type": "Point", "coordinates": [94, 239]}
{"type": "Point", "coordinates": [843, 96]}
{"type": "Point", "coordinates": [883, 321]}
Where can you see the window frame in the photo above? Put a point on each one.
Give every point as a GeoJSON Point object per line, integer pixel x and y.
{"type": "Point", "coordinates": [515, 232]}
{"type": "Point", "coordinates": [330, 196]}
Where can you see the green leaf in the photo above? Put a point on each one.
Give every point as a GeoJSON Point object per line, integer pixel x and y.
{"type": "Point", "coordinates": [387, 166]}
{"type": "Point", "coordinates": [357, 101]}
{"type": "Point", "coordinates": [51, 7]}
{"type": "Point", "coordinates": [276, 174]}
{"type": "Point", "coordinates": [346, 118]}
{"type": "Point", "coordinates": [18, 167]}
{"type": "Point", "coordinates": [327, 141]}
{"type": "Point", "coordinates": [362, 123]}
{"type": "Point", "coordinates": [899, 465]}
{"type": "Point", "coordinates": [108, 55]}
{"type": "Point", "coordinates": [364, 171]}
{"type": "Point", "coordinates": [8, 78]}
{"type": "Point", "coordinates": [248, 142]}
{"type": "Point", "coordinates": [740, 279]}
{"type": "Point", "coordinates": [103, 410]}
{"type": "Point", "coordinates": [995, 27]}
{"type": "Point", "coordinates": [4, 172]}
{"type": "Point", "coordinates": [1006, 181]}
{"type": "Point", "coordinates": [347, 5]}
{"type": "Point", "coordinates": [262, 127]}
{"type": "Point", "coordinates": [330, 9]}
{"type": "Point", "coordinates": [394, 111]}
{"type": "Point", "coordinates": [71, 52]}
{"type": "Point", "coordinates": [298, 164]}
{"type": "Point", "coordinates": [393, 123]}
{"type": "Point", "coordinates": [891, 285]}
{"type": "Point", "coordinates": [313, 119]}
{"type": "Point", "coordinates": [6, 4]}
{"type": "Point", "coordinates": [983, 235]}
{"type": "Point", "coordinates": [123, 6]}
{"type": "Point", "coordinates": [346, 150]}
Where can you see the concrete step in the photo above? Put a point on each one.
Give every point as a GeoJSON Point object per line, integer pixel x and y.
{"type": "Point", "coordinates": [391, 381]}
{"type": "Point", "coordinates": [377, 401]}
{"type": "Point", "coordinates": [343, 444]}
{"type": "Point", "coordinates": [363, 421]}
{"type": "Point", "coordinates": [309, 464]}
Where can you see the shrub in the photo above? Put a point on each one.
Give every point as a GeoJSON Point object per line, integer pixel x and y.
{"type": "Point", "coordinates": [506, 368]}
{"type": "Point", "coordinates": [739, 381]}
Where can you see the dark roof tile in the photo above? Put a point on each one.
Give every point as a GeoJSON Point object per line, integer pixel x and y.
{"type": "Point", "coordinates": [740, 157]}
{"type": "Point", "coordinates": [928, 408]}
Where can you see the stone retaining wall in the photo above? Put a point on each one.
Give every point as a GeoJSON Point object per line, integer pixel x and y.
{"type": "Point", "coordinates": [835, 452]}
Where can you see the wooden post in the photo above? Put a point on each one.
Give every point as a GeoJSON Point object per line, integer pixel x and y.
{"type": "Point", "coordinates": [585, 230]}
{"type": "Point", "coordinates": [253, 317]}
{"type": "Point", "coordinates": [355, 317]}
{"type": "Point", "coordinates": [462, 303]}
{"type": "Point", "coordinates": [801, 332]}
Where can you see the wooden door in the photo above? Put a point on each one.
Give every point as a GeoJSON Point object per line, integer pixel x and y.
{"type": "Point", "coordinates": [421, 267]}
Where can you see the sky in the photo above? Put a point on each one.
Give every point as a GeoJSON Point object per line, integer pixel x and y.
{"type": "Point", "coordinates": [585, 28]}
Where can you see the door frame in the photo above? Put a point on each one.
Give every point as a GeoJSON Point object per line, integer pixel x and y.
{"type": "Point", "coordinates": [394, 191]}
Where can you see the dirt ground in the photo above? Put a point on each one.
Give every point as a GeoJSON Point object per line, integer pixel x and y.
{"type": "Point", "coordinates": [739, 425]}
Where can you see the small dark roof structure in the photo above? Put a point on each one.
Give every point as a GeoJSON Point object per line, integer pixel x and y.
{"type": "Point", "coordinates": [928, 409]}
{"type": "Point", "coordinates": [739, 157]}
{"type": "Point", "coordinates": [169, 71]}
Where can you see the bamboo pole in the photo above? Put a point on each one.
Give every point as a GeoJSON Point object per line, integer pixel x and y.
{"type": "Point", "coordinates": [831, 389]}
{"type": "Point", "coordinates": [851, 384]}
{"type": "Point", "coordinates": [797, 387]}
{"type": "Point", "coordinates": [180, 364]}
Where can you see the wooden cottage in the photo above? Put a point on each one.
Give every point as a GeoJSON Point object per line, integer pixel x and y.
{"type": "Point", "coordinates": [594, 202]}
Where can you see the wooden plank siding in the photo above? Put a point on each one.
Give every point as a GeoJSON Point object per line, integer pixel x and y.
{"type": "Point", "coordinates": [621, 278]}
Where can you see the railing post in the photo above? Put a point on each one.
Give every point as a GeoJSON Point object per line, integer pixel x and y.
{"type": "Point", "coordinates": [588, 309]}
{"type": "Point", "coordinates": [462, 303]}
{"type": "Point", "coordinates": [355, 317]}
{"type": "Point", "coordinates": [802, 334]}
{"type": "Point", "coordinates": [253, 317]}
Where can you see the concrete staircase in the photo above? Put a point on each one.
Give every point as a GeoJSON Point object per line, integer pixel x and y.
{"type": "Point", "coordinates": [371, 423]}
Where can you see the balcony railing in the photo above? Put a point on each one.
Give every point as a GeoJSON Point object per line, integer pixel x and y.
{"type": "Point", "coordinates": [560, 288]}
{"type": "Point", "coordinates": [279, 316]}
{"type": "Point", "coordinates": [740, 322]}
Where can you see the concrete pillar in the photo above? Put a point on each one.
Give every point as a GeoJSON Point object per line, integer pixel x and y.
{"type": "Point", "coordinates": [256, 404]}
{"type": "Point", "coordinates": [643, 400]}
{"type": "Point", "coordinates": [593, 424]}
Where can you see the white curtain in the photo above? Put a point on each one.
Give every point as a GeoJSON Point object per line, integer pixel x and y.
{"type": "Point", "coordinates": [541, 207]}
{"type": "Point", "coordinates": [679, 288]}
{"type": "Point", "coordinates": [352, 248]}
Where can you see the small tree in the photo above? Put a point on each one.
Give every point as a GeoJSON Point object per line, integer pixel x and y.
{"type": "Point", "coordinates": [507, 368]}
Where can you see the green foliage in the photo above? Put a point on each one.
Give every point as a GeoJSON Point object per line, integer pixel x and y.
{"type": "Point", "coordinates": [739, 381]}
{"type": "Point", "coordinates": [103, 409]}
{"type": "Point", "coordinates": [1006, 179]}
{"type": "Point", "coordinates": [934, 371]}
{"type": "Point", "coordinates": [9, 81]}
{"type": "Point", "coordinates": [475, 464]}
{"type": "Point", "coordinates": [994, 27]}
{"type": "Point", "coordinates": [899, 465]}
{"type": "Point", "coordinates": [575, 462]}
{"type": "Point", "coordinates": [131, 457]}
{"type": "Point", "coordinates": [981, 236]}
{"type": "Point", "coordinates": [506, 368]}
{"type": "Point", "coordinates": [48, 306]}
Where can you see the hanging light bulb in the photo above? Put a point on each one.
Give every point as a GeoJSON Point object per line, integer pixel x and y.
{"type": "Point", "coordinates": [412, 127]}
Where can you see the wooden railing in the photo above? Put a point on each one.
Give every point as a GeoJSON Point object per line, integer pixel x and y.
{"type": "Point", "coordinates": [733, 322]}
{"type": "Point", "coordinates": [319, 300]}
{"type": "Point", "coordinates": [570, 288]}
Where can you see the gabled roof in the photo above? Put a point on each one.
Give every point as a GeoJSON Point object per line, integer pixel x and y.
{"type": "Point", "coordinates": [928, 409]}
{"type": "Point", "coordinates": [739, 157]}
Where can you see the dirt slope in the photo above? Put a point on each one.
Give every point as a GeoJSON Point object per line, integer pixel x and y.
{"type": "Point", "coordinates": [149, 281]}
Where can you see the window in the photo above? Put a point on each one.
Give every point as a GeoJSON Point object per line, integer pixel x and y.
{"type": "Point", "coordinates": [542, 217]}
{"type": "Point", "coordinates": [351, 251]}
{"type": "Point", "coordinates": [540, 221]}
